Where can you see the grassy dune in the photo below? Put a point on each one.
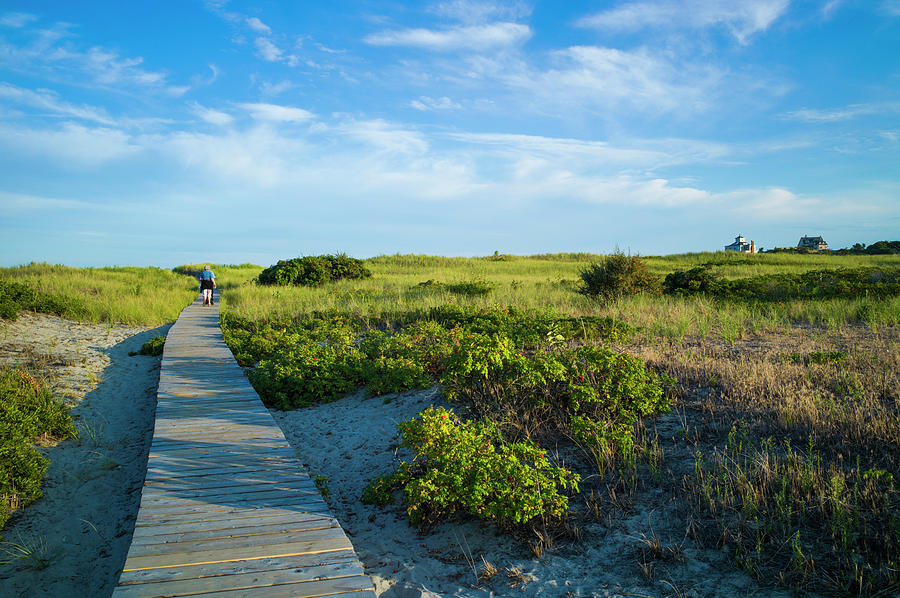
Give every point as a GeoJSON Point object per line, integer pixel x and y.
{"type": "Point", "coordinates": [550, 281]}
{"type": "Point", "coordinates": [138, 296]}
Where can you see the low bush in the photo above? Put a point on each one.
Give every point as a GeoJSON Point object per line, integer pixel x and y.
{"type": "Point", "coordinates": [467, 466]}
{"type": "Point", "coordinates": [27, 411]}
{"type": "Point", "coordinates": [152, 347]}
{"type": "Point", "coordinates": [615, 276]}
{"type": "Point", "coordinates": [313, 270]}
{"type": "Point", "coordinates": [17, 296]}
{"type": "Point", "coordinates": [814, 284]}
{"type": "Point", "coordinates": [472, 288]}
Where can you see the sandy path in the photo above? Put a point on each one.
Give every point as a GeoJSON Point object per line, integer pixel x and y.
{"type": "Point", "coordinates": [92, 487]}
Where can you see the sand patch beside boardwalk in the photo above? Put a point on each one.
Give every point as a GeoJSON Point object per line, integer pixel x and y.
{"type": "Point", "coordinates": [352, 440]}
{"type": "Point", "coordinates": [92, 487]}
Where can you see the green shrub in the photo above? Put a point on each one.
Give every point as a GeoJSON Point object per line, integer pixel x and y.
{"type": "Point", "coordinates": [467, 466]}
{"type": "Point", "coordinates": [152, 347]}
{"type": "Point", "coordinates": [27, 411]}
{"type": "Point", "coordinates": [472, 288]}
{"type": "Point", "coordinates": [17, 296]}
{"type": "Point", "coordinates": [313, 270]}
{"type": "Point", "coordinates": [615, 276]}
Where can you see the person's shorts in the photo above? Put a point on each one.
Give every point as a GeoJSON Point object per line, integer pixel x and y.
{"type": "Point", "coordinates": [206, 284]}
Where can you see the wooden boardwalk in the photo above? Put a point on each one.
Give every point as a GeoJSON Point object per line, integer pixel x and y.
{"type": "Point", "coordinates": [226, 509]}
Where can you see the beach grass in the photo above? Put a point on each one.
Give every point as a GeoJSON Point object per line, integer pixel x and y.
{"type": "Point", "coordinates": [127, 295]}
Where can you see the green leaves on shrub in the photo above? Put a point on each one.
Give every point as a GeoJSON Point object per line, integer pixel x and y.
{"type": "Point", "coordinates": [16, 297]}
{"type": "Point", "coordinates": [313, 270]}
{"type": "Point", "coordinates": [152, 347]}
{"type": "Point", "coordinates": [467, 466]}
{"type": "Point", "coordinates": [27, 411]}
{"type": "Point", "coordinates": [875, 282]}
{"type": "Point", "coordinates": [472, 288]}
{"type": "Point", "coordinates": [617, 275]}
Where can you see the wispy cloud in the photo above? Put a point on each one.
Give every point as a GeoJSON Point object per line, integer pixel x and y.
{"type": "Point", "coordinates": [258, 26]}
{"type": "Point", "coordinates": [844, 113]}
{"type": "Point", "coordinates": [475, 37]}
{"type": "Point", "coordinates": [49, 101]}
{"type": "Point", "coordinates": [211, 115]}
{"type": "Point", "coordinates": [55, 51]}
{"type": "Point", "coordinates": [481, 11]}
{"type": "Point", "coordinates": [743, 19]}
{"type": "Point", "coordinates": [425, 103]}
{"type": "Point", "coordinates": [71, 145]}
{"type": "Point", "coordinates": [267, 50]}
{"type": "Point", "coordinates": [276, 113]}
{"type": "Point", "coordinates": [16, 20]}
{"type": "Point", "coordinates": [891, 7]}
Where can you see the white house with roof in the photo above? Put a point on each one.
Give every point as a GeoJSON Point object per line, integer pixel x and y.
{"type": "Point", "coordinates": [740, 245]}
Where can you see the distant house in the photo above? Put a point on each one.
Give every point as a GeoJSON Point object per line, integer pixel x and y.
{"type": "Point", "coordinates": [741, 246]}
{"type": "Point", "coordinates": [813, 243]}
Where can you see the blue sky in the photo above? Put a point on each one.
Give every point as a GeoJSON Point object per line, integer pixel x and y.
{"type": "Point", "coordinates": [161, 133]}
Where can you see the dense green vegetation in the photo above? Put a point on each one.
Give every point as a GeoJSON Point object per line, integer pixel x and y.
{"type": "Point", "coordinates": [28, 411]}
{"type": "Point", "coordinates": [313, 271]}
{"type": "Point", "coordinates": [139, 296]}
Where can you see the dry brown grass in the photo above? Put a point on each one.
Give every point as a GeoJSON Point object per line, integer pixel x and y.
{"type": "Point", "coordinates": [788, 453]}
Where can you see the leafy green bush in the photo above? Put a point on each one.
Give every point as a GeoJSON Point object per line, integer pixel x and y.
{"type": "Point", "coordinates": [467, 466]}
{"type": "Point", "coordinates": [590, 394]}
{"type": "Point", "coordinates": [152, 347]}
{"type": "Point", "coordinates": [615, 276]}
{"type": "Point", "coordinates": [27, 411]}
{"type": "Point", "coordinates": [313, 270]}
{"type": "Point", "coordinates": [870, 282]}
{"type": "Point", "coordinates": [472, 288]}
{"type": "Point", "coordinates": [17, 296]}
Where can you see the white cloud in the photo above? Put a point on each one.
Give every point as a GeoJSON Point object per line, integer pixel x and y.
{"type": "Point", "coordinates": [480, 11]}
{"type": "Point", "coordinates": [276, 113]}
{"type": "Point", "coordinates": [49, 100]}
{"type": "Point", "coordinates": [606, 78]}
{"type": "Point", "coordinates": [475, 37]}
{"type": "Point", "coordinates": [71, 145]}
{"type": "Point", "coordinates": [212, 116]}
{"type": "Point", "coordinates": [267, 50]}
{"type": "Point", "coordinates": [845, 113]}
{"type": "Point", "coordinates": [892, 7]}
{"type": "Point", "coordinates": [743, 19]}
{"type": "Point", "coordinates": [257, 25]}
{"type": "Point", "coordinates": [425, 103]}
{"type": "Point", "coordinates": [54, 51]}
{"type": "Point", "coordinates": [16, 20]}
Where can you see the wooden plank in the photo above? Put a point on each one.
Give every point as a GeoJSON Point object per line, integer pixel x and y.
{"type": "Point", "coordinates": [294, 521]}
{"type": "Point", "coordinates": [272, 534]}
{"type": "Point", "coordinates": [236, 567]}
{"type": "Point", "coordinates": [349, 587]}
{"type": "Point", "coordinates": [230, 495]}
{"type": "Point", "coordinates": [257, 579]}
{"type": "Point", "coordinates": [235, 514]}
{"type": "Point", "coordinates": [227, 553]}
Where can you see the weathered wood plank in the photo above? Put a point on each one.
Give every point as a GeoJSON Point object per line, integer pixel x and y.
{"type": "Point", "coordinates": [294, 522]}
{"type": "Point", "coordinates": [229, 553]}
{"type": "Point", "coordinates": [304, 561]}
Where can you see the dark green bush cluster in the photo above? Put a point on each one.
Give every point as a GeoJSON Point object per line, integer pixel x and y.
{"type": "Point", "coordinates": [472, 288]}
{"type": "Point", "coordinates": [16, 296]}
{"type": "Point", "coordinates": [298, 363]}
{"type": "Point", "coordinates": [27, 411]}
{"type": "Point", "coordinates": [313, 271]}
{"type": "Point", "coordinates": [152, 347]}
{"type": "Point", "coordinates": [467, 466]}
{"type": "Point", "coordinates": [873, 282]}
{"type": "Point", "coordinates": [617, 275]}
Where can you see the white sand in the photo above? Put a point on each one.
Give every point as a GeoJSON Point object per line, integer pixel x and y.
{"type": "Point", "coordinates": [92, 487]}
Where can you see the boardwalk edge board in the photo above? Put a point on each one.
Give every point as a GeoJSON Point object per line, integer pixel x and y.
{"type": "Point", "coordinates": [226, 508]}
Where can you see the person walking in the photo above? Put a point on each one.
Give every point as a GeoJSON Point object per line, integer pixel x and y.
{"type": "Point", "coordinates": [207, 284]}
